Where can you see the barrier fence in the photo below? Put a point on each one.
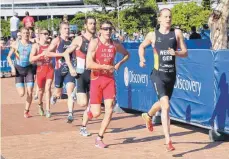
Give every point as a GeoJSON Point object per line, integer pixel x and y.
{"type": "Point", "coordinates": [201, 93]}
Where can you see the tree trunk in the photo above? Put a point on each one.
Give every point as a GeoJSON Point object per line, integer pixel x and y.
{"type": "Point", "coordinates": [218, 23]}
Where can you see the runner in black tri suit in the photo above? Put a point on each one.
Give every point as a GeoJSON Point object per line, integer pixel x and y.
{"type": "Point", "coordinates": [80, 46]}
{"type": "Point", "coordinates": [56, 49]}
{"type": "Point", "coordinates": [164, 41]}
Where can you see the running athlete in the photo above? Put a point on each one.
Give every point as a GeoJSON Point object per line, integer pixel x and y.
{"type": "Point", "coordinates": [23, 68]}
{"type": "Point", "coordinates": [80, 44]}
{"type": "Point", "coordinates": [45, 71]}
{"type": "Point", "coordinates": [165, 42]}
{"type": "Point", "coordinates": [100, 59]}
{"type": "Point", "coordinates": [56, 49]}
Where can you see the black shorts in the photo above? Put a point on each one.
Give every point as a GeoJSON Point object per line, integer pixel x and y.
{"type": "Point", "coordinates": [24, 75]}
{"type": "Point", "coordinates": [163, 83]}
{"type": "Point", "coordinates": [62, 75]}
{"type": "Point", "coordinates": [83, 82]}
{"type": "Point", "coordinates": [34, 68]}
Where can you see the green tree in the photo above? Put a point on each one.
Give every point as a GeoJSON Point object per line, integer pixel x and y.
{"type": "Point", "coordinates": [5, 28]}
{"type": "Point", "coordinates": [48, 23]}
{"type": "Point", "coordinates": [190, 15]}
{"type": "Point", "coordinates": [79, 18]}
{"type": "Point", "coordinates": [206, 4]}
{"type": "Point", "coordinates": [138, 19]}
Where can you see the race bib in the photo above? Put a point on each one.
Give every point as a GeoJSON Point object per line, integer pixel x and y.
{"type": "Point", "coordinates": [80, 65]}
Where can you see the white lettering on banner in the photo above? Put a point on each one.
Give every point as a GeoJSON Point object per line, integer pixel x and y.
{"type": "Point", "coordinates": [4, 63]}
{"type": "Point", "coordinates": [188, 85]}
{"type": "Point", "coordinates": [131, 77]}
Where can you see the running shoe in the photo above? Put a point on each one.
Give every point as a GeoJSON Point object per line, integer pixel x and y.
{"type": "Point", "coordinates": [48, 114]}
{"type": "Point", "coordinates": [53, 100]}
{"type": "Point", "coordinates": [169, 146]}
{"type": "Point", "coordinates": [148, 121]}
{"type": "Point", "coordinates": [40, 109]}
{"type": "Point", "coordinates": [26, 114]}
{"type": "Point", "coordinates": [70, 118]}
{"type": "Point", "coordinates": [99, 143]}
{"type": "Point", "coordinates": [84, 132]}
{"type": "Point", "coordinates": [35, 97]}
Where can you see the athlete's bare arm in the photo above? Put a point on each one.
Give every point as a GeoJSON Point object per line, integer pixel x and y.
{"type": "Point", "coordinates": [90, 62]}
{"type": "Point", "coordinates": [122, 50]}
{"type": "Point", "coordinates": [33, 55]}
{"type": "Point", "coordinates": [181, 44]}
{"type": "Point", "coordinates": [52, 49]}
{"type": "Point", "coordinates": [76, 43]}
{"type": "Point", "coordinates": [150, 39]}
{"type": "Point", "coordinates": [9, 60]}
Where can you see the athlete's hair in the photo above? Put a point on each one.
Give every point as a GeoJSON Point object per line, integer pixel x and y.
{"type": "Point", "coordinates": [23, 28]}
{"type": "Point", "coordinates": [41, 29]}
{"type": "Point", "coordinates": [63, 23]}
{"type": "Point", "coordinates": [89, 17]}
{"type": "Point", "coordinates": [160, 12]}
{"type": "Point", "coordinates": [105, 22]}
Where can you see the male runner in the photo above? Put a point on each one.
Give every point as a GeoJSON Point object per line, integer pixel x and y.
{"type": "Point", "coordinates": [100, 59]}
{"type": "Point", "coordinates": [56, 49]}
{"type": "Point", "coordinates": [45, 71]}
{"type": "Point", "coordinates": [80, 44]}
{"type": "Point", "coordinates": [165, 42]}
{"type": "Point", "coordinates": [23, 68]}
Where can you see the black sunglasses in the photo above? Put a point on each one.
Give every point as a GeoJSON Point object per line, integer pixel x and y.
{"type": "Point", "coordinates": [45, 33]}
{"type": "Point", "coordinates": [107, 28]}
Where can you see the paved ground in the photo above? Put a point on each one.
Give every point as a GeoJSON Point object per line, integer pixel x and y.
{"type": "Point", "coordinates": [41, 138]}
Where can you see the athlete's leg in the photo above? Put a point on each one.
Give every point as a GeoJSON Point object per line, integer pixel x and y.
{"type": "Point", "coordinates": [29, 96]}
{"type": "Point", "coordinates": [82, 99]}
{"type": "Point", "coordinates": [59, 79]}
{"type": "Point", "coordinates": [164, 101]}
{"type": "Point", "coordinates": [107, 117]}
{"type": "Point", "coordinates": [155, 108]}
{"type": "Point", "coordinates": [20, 89]}
{"type": "Point", "coordinates": [48, 85]}
{"type": "Point", "coordinates": [29, 79]}
{"type": "Point", "coordinates": [36, 92]}
{"type": "Point", "coordinates": [20, 86]}
{"type": "Point", "coordinates": [70, 87]}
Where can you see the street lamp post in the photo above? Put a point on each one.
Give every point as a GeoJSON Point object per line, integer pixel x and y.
{"type": "Point", "coordinates": [13, 7]}
{"type": "Point", "coordinates": [118, 17]}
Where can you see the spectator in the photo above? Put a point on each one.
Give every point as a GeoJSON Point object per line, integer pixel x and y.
{"type": "Point", "coordinates": [28, 21]}
{"type": "Point", "coordinates": [205, 32]}
{"type": "Point", "coordinates": [18, 36]}
{"type": "Point", "coordinates": [2, 44]}
{"type": "Point", "coordinates": [14, 25]}
{"type": "Point", "coordinates": [31, 35]}
{"type": "Point", "coordinates": [194, 34]}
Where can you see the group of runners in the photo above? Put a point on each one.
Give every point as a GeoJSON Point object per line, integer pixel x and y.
{"type": "Point", "coordinates": [86, 65]}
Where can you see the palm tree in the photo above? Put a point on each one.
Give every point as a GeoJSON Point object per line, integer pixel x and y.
{"type": "Point", "coordinates": [218, 23]}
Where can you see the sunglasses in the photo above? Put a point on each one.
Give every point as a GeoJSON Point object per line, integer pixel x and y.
{"type": "Point", "coordinates": [45, 33]}
{"type": "Point", "coordinates": [107, 28]}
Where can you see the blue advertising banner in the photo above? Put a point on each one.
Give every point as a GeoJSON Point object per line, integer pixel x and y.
{"type": "Point", "coordinates": [220, 116]}
{"type": "Point", "coordinates": [133, 84]}
{"type": "Point", "coordinates": [4, 65]}
{"type": "Point", "coordinates": [198, 44]}
{"type": "Point", "coordinates": [192, 99]}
